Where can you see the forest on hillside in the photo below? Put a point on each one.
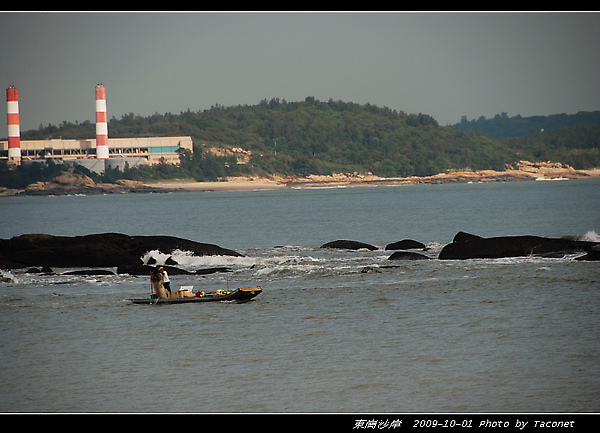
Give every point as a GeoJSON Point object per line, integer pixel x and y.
{"type": "Point", "coordinates": [501, 126]}
{"type": "Point", "coordinates": [315, 137]}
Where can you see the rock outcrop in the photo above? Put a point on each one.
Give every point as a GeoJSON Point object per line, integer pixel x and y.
{"type": "Point", "coordinates": [71, 184]}
{"type": "Point", "coordinates": [141, 269]}
{"type": "Point", "coordinates": [592, 255]}
{"type": "Point", "coordinates": [468, 246]}
{"type": "Point", "coordinates": [348, 245]}
{"type": "Point", "coordinates": [95, 250]}
{"type": "Point", "coordinates": [405, 244]}
{"type": "Point", "coordinates": [407, 255]}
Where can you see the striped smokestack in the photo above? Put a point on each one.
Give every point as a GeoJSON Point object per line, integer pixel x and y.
{"type": "Point", "coordinates": [14, 130]}
{"type": "Point", "coordinates": [101, 123]}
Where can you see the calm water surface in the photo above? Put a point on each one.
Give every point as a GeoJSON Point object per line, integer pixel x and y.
{"type": "Point", "coordinates": [333, 331]}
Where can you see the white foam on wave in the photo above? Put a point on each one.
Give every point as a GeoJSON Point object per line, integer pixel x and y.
{"type": "Point", "coordinates": [289, 270]}
{"type": "Point", "coordinates": [590, 236]}
{"type": "Point", "coordinates": [188, 260]}
{"type": "Point", "coordinates": [8, 277]}
{"type": "Point", "coordinates": [435, 247]}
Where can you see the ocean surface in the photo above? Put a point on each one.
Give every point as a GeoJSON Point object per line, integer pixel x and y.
{"type": "Point", "coordinates": [334, 330]}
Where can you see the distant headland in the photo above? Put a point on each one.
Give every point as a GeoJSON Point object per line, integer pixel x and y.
{"type": "Point", "coordinates": [72, 184]}
{"type": "Point", "coordinates": [522, 171]}
{"type": "Point", "coordinates": [312, 143]}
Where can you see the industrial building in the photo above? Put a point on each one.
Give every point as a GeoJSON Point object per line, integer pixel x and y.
{"type": "Point", "coordinates": [121, 151]}
{"type": "Point", "coordinates": [96, 154]}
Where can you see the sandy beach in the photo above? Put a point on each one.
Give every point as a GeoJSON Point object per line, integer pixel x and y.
{"type": "Point", "coordinates": [523, 171]}
{"type": "Point", "coordinates": [230, 184]}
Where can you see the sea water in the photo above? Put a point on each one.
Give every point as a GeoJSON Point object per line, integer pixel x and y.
{"type": "Point", "coordinates": [333, 330]}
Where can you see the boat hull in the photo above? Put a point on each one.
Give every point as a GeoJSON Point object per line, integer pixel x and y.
{"type": "Point", "coordinates": [242, 294]}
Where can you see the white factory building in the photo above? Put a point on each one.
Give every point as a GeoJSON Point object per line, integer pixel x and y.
{"type": "Point", "coordinates": [97, 154]}
{"type": "Point", "coordinates": [121, 151]}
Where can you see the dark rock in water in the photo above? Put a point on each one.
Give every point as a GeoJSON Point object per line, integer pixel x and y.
{"type": "Point", "coordinates": [171, 270]}
{"type": "Point", "coordinates": [407, 255]}
{"type": "Point", "coordinates": [467, 246]}
{"type": "Point", "coordinates": [348, 245]}
{"type": "Point", "coordinates": [148, 269]}
{"type": "Point", "coordinates": [207, 271]}
{"type": "Point", "coordinates": [171, 261]}
{"type": "Point", "coordinates": [96, 250]}
{"type": "Point", "coordinates": [136, 269]}
{"type": "Point", "coordinates": [8, 264]}
{"type": "Point", "coordinates": [34, 270]}
{"type": "Point", "coordinates": [462, 237]}
{"type": "Point", "coordinates": [405, 244]}
{"type": "Point", "coordinates": [89, 272]}
{"type": "Point", "coordinates": [592, 255]}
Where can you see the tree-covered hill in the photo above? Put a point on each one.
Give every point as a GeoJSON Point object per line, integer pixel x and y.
{"type": "Point", "coordinates": [578, 146]}
{"type": "Point", "coordinates": [572, 139]}
{"type": "Point", "coordinates": [501, 126]}
{"type": "Point", "coordinates": [314, 137]}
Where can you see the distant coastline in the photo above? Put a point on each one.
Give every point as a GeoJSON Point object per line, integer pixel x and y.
{"type": "Point", "coordinates": [70, 184]}
{"type": "Point", "coordinates": [523, 171]}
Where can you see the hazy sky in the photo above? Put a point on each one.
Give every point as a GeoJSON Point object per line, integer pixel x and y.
{"type": "Point", "coordinates": [443, 64]}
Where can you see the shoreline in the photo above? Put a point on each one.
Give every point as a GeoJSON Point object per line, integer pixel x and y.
{"type": "Point", "coordinates": [70, 184]}
{"type": "Point", "coordinates": [525, 171]}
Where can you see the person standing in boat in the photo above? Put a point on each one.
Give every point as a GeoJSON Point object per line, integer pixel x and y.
{"type": "Point", "coordinates": [165, 280]}
{"type": "Point", "coordinates": [156, 279]}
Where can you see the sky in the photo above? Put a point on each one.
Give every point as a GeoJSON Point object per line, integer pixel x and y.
{"type": "Point", "coordinates": [446, 64]}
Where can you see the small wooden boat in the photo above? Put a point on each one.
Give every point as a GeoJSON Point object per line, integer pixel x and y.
{"type": "Point", "coordinates": [242, 294]}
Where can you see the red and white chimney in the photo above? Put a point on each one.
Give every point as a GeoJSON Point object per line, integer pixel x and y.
{"type": "Point", "coordinates": [14, 130]}
{"type": "Point", "coordinates": [101, 123]}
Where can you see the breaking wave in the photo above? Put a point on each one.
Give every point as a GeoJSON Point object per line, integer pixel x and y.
{"type": "Point", "coordinates": [283, 263]}
{"type": "Point", "coordinates": [187, 260]}
{"type": "Point", "coordinates": [296, 261]}
{"type": "Point", "coordinates": [590, 236]}
{"type": "Point", "coordinates": [277, 262]}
